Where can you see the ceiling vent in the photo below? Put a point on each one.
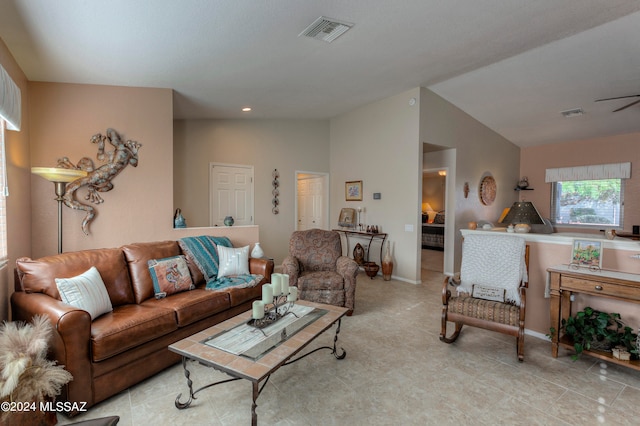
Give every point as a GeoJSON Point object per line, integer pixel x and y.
{"type": "Point", "coordinates": [572, 112]}
{"type": "Point", "coordinates": [326, 29]}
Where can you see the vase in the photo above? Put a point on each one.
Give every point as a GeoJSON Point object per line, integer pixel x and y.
{"type": "Point", "coordinates": [257, 251]}
{"type": "Point", "coordinates": [387, 263]}
{"type": "Point", "coordinates": [358, 254]}
{"type": "Point", "coordinates": [229, 221]}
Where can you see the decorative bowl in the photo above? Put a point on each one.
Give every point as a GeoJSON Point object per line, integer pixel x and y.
{"type": "Point", "coordinates": [371, 268]}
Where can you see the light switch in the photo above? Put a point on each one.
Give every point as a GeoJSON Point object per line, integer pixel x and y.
{"type": "Point", "coordinates": [408, 228]}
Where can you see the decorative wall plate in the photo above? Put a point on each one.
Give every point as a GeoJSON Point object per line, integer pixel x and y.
{"type": "Point", "coordinates": [487, 190]}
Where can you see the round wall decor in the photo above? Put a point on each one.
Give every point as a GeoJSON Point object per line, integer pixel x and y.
{"type": "Point", "coordinates": [487, 190]}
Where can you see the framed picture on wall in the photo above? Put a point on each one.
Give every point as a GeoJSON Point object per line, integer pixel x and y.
{"type": "Point", "coordinates": [353, 190]}
{"type": "Point", "coordinates": [587, 253]}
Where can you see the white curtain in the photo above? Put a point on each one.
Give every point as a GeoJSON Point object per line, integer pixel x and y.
{"type": "Point", "coordinates": [10, 109]}
{"type": "Point", "coordinates": [598, 171]}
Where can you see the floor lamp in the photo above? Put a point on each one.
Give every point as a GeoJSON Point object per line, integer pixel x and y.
{"type": "Point", "coordinates": [60, 177]}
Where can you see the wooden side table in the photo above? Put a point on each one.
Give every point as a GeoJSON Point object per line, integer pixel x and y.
{"type": "Point", "coordinates": [609, 284]}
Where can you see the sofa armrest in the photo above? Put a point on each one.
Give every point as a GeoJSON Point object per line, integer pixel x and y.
{"type": "Point", "coordinates": [262, 267]}
{"type": "Point", "coordinates": [70, 341]}
{"type": "Point", "coordinates": [291, 267]}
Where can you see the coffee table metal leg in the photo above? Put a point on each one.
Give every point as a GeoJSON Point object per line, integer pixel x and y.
{"type": "Point", "coordinates": [192, 393]}
{"type": "Point", "coordinates": [256, 393]}
{"type": "Point", "coordinates": [334, 350]}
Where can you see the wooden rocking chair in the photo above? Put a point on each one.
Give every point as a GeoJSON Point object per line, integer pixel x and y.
{"type": "Point", "coordinates": [491, 288]}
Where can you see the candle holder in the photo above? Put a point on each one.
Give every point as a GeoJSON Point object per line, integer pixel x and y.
{"type": "Point", "coordinates": [280, 307]}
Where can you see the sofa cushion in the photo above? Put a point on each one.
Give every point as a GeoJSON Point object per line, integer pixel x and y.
{"type": "Point", "coordinates": [233, 261]}
{"type": "Point", "coordinates": [38, 276]}
{"type": "Point", "coordinates": [170, 275]}
{"type": "Point", "coordinates": [192, 306]}
{"type": "Point", "coordinates": [85, 291]}
{"type": "Point", "coordinates": [137, 255]}
{"type": "Point", "coordinates": [128, 326]}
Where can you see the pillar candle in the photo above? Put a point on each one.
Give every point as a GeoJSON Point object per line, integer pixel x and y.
{"type": "Point", "coordinates": [267, 294]}
{"type": "Point", "coordinates": [285, 283]}
{"type": "Point", "coordinates": [258, 309]}
{"type": "Point", "coordinates": [276, 283]}
{"type": "Point", "coordinates": [293, 294]}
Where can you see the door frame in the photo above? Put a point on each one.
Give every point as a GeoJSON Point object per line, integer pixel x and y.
{"type": "Point", "coordinates": [325, 196]}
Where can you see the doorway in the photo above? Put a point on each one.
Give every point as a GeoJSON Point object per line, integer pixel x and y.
{"type": "Point", "coordinates": [312, 200]}
{"type": "Point", "coordinates": [434, 189]}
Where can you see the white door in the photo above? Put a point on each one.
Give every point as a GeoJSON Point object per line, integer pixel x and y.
{"type": "Point", "coordinates": [303, 195]}
{"type": "Point", "coordinates": [231, 194]}
{"type": "Point", "coordinates": [315, 207]}
{"type": "Point", "coordinates": [311, 202]}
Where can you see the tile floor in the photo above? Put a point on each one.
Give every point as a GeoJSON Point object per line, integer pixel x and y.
{"type": "Point", "coordinates": [397, 372]}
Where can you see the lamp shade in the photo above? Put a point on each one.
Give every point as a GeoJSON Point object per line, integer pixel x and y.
{"type": "Point", "coordinates": [58, 174]}
{"type": "Point", "coordinates": [523, 212]}
{"type": "Point", "coordinates": [426, 207]}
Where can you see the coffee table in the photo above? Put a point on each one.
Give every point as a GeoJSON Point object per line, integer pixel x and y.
{"type": "Point", "coordinates": [246, 352]}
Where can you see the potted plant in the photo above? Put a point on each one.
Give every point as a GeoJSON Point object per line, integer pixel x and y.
{"type": "Point", "coordinates": [592, 329]}
{"type": "Point", "coordinates": [27, 377]}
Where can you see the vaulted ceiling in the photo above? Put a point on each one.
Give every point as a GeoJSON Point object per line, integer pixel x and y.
{"type": "Point", "coordinates": [512, 64]}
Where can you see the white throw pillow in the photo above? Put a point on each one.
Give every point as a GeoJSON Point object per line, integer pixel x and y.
{"type": "Point", "coordinates": [233, 261]}
{"type": "Point", "coordinates": [87, 292]}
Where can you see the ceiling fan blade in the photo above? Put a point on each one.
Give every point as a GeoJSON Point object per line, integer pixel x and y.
{"type": "Point", "coordinates": [619, 97]}
{"type": "Point", "coordinates": [627, 106]}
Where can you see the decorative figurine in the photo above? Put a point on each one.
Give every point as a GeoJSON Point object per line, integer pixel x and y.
{"type": "Point", "coordinates": [99, 180]}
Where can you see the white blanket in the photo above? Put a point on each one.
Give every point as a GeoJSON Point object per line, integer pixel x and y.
{"type": "Point", "coordinates": [493, 261]}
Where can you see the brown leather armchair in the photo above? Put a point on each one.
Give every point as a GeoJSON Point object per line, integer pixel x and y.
{"type": "Point", "coordinates": [316, 266]}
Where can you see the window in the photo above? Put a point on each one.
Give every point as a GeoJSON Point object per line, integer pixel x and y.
{"type": "Point", "coordinates": [595, 202]}
{"type": "Point", "coordinates": [4, 191]}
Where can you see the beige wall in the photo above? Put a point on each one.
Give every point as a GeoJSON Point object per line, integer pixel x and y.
{"type": "Point", "coordinates": [378, 144]}
{"type": "Point", "coordinates": [433, 191]}
{"type": "Point", "coordinates": [615, 149]}
{"type": "Point", "coordinates": [19, 176]}
{"type": "Point", "coordinates": [286, 145]}
{"type": "Point", "coordinates": [140, 206]}
{"type": "Point", "coordinates": [479, 151]}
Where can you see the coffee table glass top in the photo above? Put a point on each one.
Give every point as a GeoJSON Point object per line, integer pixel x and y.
{"type": "Point", "coordinates": [253, 343]}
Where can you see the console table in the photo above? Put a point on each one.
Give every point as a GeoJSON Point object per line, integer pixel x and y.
{"type": "Point", "coordinates": [613, 285]}
{"type": "Point", "coordinates": [370, 235]}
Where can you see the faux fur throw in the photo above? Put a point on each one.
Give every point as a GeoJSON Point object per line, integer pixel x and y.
{"type": "Point", "coordinates": [493, 261]}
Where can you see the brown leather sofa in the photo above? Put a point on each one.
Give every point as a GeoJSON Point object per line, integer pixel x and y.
{"type": "Point", "coordinates": [129, 344]}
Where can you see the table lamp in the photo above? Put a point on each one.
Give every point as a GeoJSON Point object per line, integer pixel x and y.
{"type": "Point", "coordinates": [522, 213]}
{"type": "Point", "coordinates": [60, 177]}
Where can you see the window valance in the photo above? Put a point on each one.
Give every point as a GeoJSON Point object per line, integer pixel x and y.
{"type": "Point", "coordinates": [598, 171]}
{"type": "Point", "coordinates": [10, 108]}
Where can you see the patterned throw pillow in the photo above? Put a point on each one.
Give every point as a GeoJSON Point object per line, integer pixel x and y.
{"type": "Point", "coordinates": [170, 275]}
{"type": "Point", "coordinates": [85, 291]}
{"type": "Point", "coordinates": [233, 261]}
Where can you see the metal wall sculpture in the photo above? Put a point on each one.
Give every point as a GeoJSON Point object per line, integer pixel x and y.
{"type": "Point", "coordinates": [99, 179]}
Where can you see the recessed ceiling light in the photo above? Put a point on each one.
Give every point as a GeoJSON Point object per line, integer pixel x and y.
{"type": "Point", "coordinates": [246, 109]}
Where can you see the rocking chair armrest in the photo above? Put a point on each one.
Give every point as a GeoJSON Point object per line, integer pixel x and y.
{"type": "Point", "coordinates": [446, 293]}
